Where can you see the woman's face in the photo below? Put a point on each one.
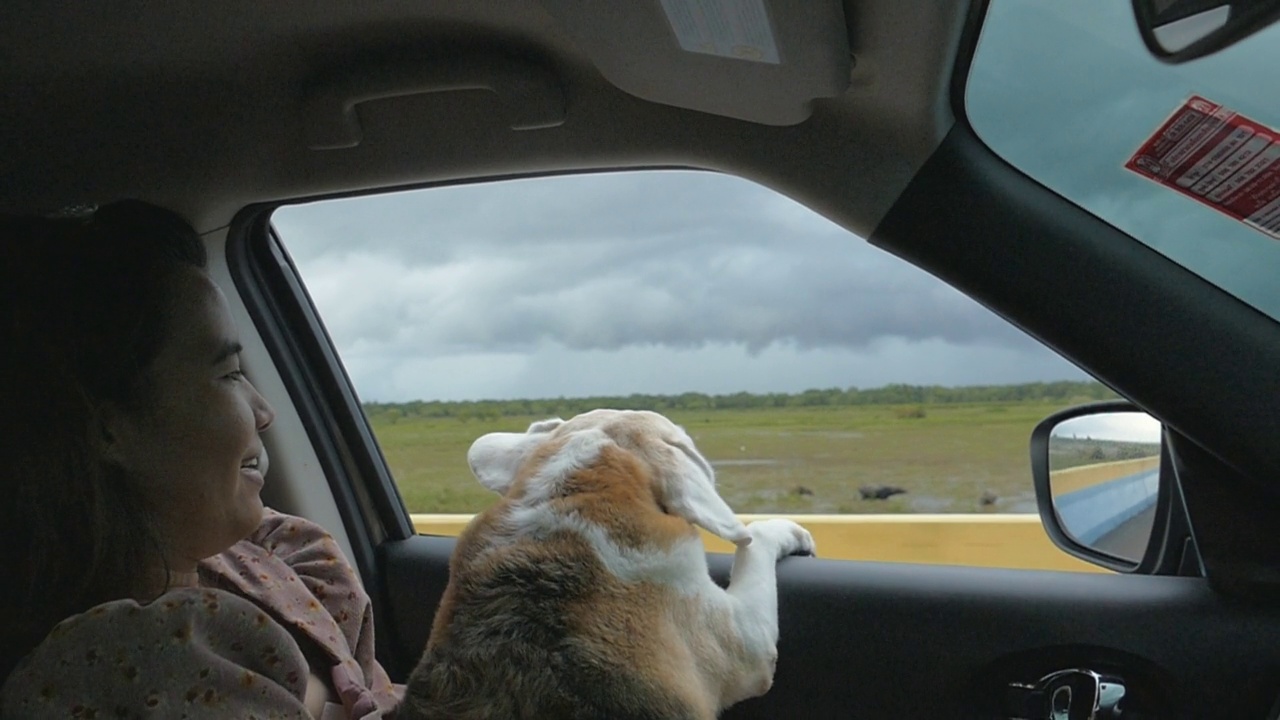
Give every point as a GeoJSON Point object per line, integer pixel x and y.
{"type": "Point", "coordinates": [193, 441]}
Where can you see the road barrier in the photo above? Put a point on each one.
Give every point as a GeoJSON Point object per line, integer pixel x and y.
{"type": "Point", "coordinates": [1093, 500]}
{"type": "Point", "coordinates": [979, 540]}
{"type": "Point", "coordinates": [1092, 512]}
{"type": "Point", "coordinates": [1078, 478]}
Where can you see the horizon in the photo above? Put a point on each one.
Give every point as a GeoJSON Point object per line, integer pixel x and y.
{"type": "Point", "coordinates": [1080, 384]}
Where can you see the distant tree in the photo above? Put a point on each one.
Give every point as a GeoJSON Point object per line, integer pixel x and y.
{"type": "Point", "coordinates": [1064, 392]}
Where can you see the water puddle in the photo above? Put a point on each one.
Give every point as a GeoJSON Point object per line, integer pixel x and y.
{"type": "Point", "coordinates": [743, 463]}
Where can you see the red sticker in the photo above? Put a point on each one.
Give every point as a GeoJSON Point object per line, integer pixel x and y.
{"type": "Point", "coordinates": [1219, 157]}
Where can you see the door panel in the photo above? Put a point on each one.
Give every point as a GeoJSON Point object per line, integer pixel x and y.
{"type": "Point", "coordinates": [878, 640]}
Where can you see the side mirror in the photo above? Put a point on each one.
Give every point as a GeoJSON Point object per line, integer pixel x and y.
{"type": "Point", "coordinates": [1176, 31]}
{"type": "Point", "coordinates": [1097, 471]}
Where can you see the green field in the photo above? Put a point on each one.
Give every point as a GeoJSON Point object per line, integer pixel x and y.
{"type": "Point", "coordinates": [1066, 452]}
{"type": "Point", "coordinates": [786, 460]}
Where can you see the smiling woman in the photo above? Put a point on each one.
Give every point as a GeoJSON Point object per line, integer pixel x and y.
{"type": "Point", "coordinates": [191, 444]}
{"type": "Point", "coordinates": [133, 470]}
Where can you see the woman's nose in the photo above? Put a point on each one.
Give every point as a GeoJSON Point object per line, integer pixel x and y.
{"type": "Point", "coordinates": [263, 413]}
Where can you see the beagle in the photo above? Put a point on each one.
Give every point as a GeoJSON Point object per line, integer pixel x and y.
{"type": "Point", "coordinates": [584, 591]}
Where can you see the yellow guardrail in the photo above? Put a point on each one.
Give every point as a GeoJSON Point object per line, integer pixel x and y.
{"type": "Point", "coordinates": [1077, 478]}
{"type": "Point", "coordinates": [995, 541]}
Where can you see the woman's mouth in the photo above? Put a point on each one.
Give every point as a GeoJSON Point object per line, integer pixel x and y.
{"type": "Point", "coordinates": [254, 469]}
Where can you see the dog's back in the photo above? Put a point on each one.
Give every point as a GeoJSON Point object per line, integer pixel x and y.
{"type": "Point", "coordinates": [584, 592]}
{"type": "Point", "coordinates": [535, 624]}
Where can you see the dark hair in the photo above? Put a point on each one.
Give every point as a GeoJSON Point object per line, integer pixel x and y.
{"type": "Point", "coordinates": [83, 311]}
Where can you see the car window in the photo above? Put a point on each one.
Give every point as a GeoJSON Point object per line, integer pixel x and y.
{"type": "Point", "coordinates": [1067, 92]}
{"type": "Point", "coordinates": [819, 375]}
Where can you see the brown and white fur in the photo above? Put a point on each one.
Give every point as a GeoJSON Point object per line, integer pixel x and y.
{"type": "Point", "coordinates": [584, 592]}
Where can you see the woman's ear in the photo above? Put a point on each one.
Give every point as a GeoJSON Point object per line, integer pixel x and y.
{"type": "Point", "coordinates": [105, 434]}
{"type": "Point", "coordinates": [114, 432]}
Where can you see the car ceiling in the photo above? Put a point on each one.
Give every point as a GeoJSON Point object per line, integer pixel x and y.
{"type": "Point", "coordinates": [211, 107]}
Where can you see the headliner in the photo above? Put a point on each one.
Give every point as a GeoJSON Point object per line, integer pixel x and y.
{"type": "Point", "coordinates": [209, 107]}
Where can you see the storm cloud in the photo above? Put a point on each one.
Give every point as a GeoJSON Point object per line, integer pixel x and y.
{"type": "Point", "coordinates": [677, 259]}
{"type": "Point", "coordinates": [661, 281]}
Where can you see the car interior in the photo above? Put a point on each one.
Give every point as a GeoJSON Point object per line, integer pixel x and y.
{"type": "Point", "coordinates": [856, 109]}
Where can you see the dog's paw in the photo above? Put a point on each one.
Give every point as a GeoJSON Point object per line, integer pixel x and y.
{"type": "Point", "coordinates": [784, 535]}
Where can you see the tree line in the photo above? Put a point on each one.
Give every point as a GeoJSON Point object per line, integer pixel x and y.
{"type": "Point", "coordinates": [1064, 391]}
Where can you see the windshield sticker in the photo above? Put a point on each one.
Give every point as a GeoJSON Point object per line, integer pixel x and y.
{"type": "Point", "coordinates": [1219, 157]}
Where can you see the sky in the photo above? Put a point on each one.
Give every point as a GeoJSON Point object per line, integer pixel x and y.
{"type": "Point", "coordinates": [675, 281]}
{"type": "Point", "coordinates": [639, 282]}
{"type": "Point", "coordinates": [1116, 427]}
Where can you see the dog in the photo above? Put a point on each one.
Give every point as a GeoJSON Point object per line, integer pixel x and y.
{"type": "Point", "coordinates": [584, 592]}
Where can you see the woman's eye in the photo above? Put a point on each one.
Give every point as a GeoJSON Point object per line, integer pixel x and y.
{"type": "Point", "coordinates": [235, 375]}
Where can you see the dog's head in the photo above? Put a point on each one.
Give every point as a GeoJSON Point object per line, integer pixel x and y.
{"type": "Point", "coordinates": [551, 450]}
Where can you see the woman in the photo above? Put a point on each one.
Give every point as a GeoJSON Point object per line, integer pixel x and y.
{"type": "Point", "coordinates": [145, 576]}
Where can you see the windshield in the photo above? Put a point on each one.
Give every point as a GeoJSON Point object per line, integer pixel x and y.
{"type": "Point", "coordinates": [1067, 92]}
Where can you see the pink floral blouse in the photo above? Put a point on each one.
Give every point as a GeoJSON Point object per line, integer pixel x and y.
{"type": "Point", "coordinates": [271, 610]}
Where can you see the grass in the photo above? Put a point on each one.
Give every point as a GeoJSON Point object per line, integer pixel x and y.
{"type": "Point", "coordinates": [786, 460]}
{"type": "Point", "coordinates": [1067, 453]}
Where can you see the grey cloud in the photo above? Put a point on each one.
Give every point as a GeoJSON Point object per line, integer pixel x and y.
{"type": "Point", "coordinates": [526, 215]}
{"type": "Point", "coordinates": [753, 268]}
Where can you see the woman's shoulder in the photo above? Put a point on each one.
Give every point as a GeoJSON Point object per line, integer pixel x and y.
{"type": "Point", "coordinates": [294, 568]}
{"type": "Point", "coordinates": [284, 547]}
{"type": "Point", "coordinates": [281, 529]}
{"type": "Point", "coordinates": [301, 543]}
{"type": "Point", "coordinates": [192, 652]}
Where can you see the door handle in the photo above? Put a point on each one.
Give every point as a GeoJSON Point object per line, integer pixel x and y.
{"type": "Point", "coordinates": [1073, 694]}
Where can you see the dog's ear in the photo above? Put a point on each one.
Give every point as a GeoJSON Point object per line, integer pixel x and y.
{"type": "Point", "coordinates": [689, 491]}
{"type": "Point", "coordinates": [495, 458]}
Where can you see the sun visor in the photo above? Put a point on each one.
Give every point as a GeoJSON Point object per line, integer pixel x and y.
{"type": "Point", "coordinates": [763, 61]}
